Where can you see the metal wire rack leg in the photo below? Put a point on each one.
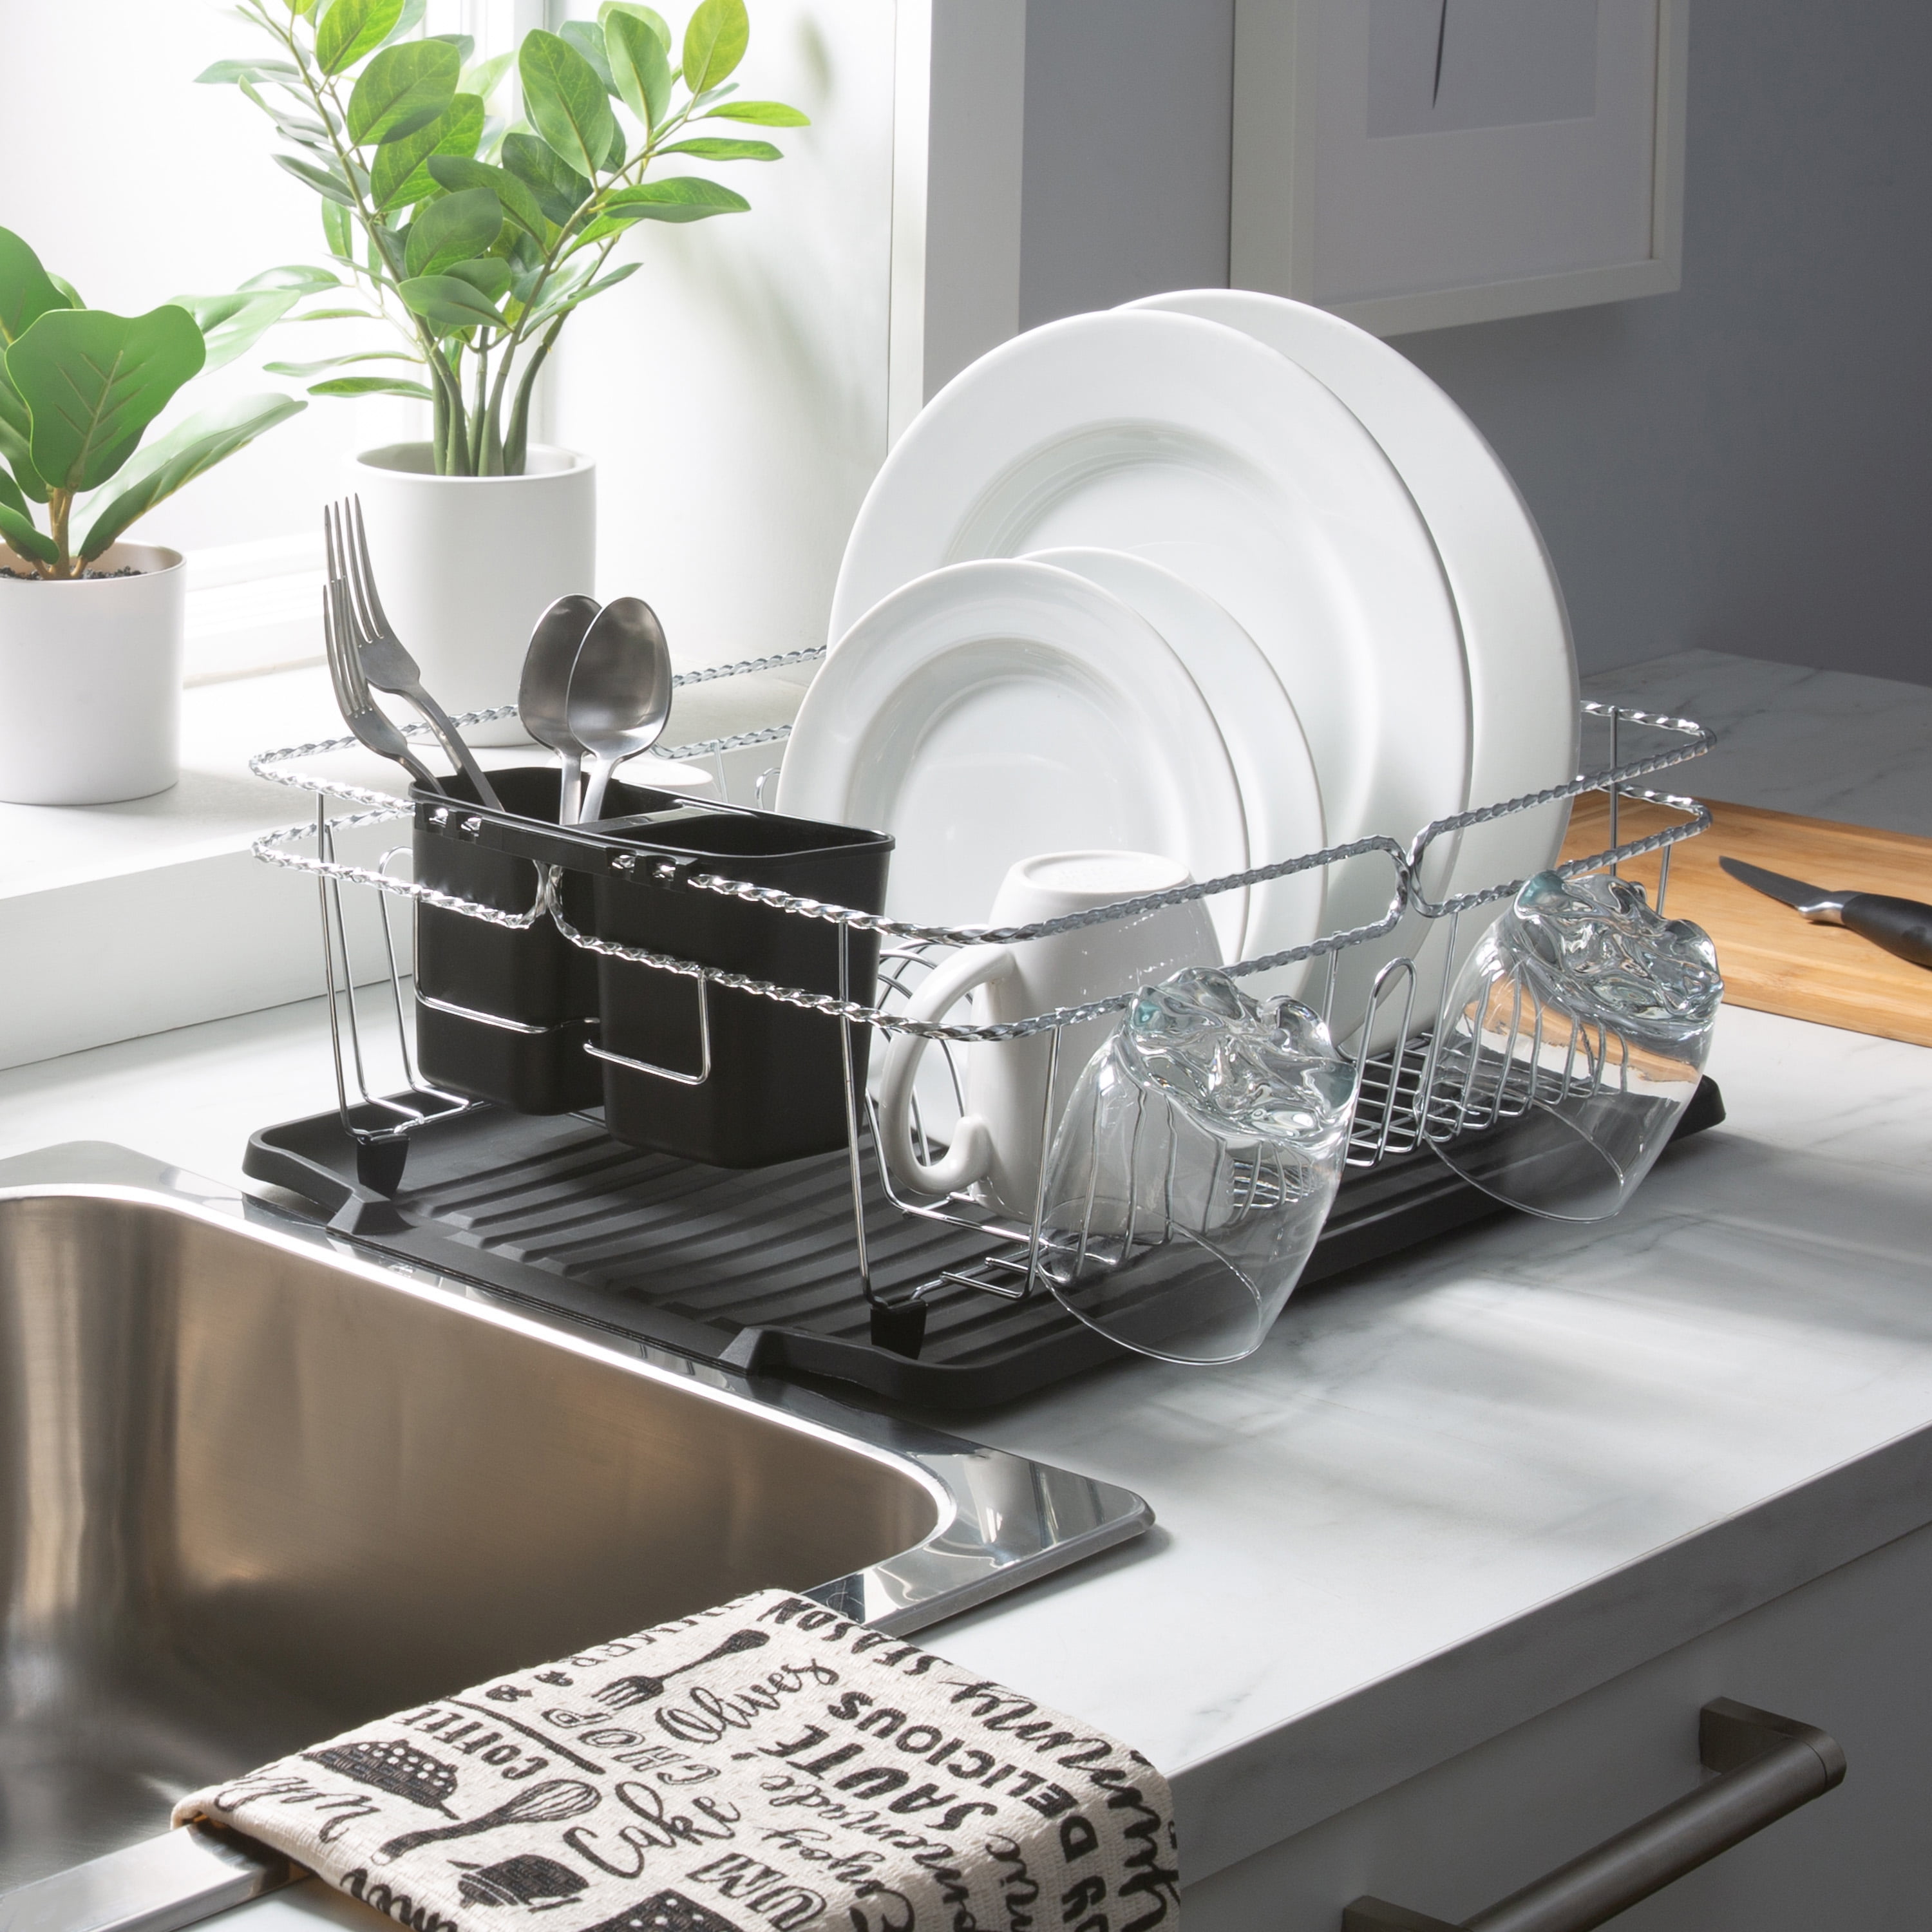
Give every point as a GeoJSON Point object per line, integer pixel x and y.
{"type": "Point", "coordinates": [382, 1146]}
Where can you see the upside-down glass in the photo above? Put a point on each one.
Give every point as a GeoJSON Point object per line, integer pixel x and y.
{"type": "Point", "coordinates": [1575, 1037]}
{"type": "Point", "coordinates": [1194, 1167]}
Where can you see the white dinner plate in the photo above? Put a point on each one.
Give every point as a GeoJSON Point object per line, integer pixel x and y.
{"type": "Point", "coordinates": [1515, 632]}
{"type": "Point", "coordinates": [1190, 444]}
{"type": "Point", "coordinates": [993, 709]}
{"type": "Point", "coordinates": [1280, 798]}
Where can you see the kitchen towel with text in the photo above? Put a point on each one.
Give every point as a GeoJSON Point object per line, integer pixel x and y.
{"type": "Point", "coordinates": [766, 1766]}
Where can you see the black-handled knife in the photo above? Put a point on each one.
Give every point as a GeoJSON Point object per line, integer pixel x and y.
{"type": "Point", "coordinates": [1902, 926]}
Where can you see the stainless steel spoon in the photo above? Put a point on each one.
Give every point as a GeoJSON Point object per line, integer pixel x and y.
{"type": "Point", "coordinates": [543, 697]}
{"type": "Point", "coordinates": [620, 690]}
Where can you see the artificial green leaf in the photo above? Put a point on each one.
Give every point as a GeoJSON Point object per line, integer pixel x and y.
{"type": "Point", "coordinates": [587, 37]}
{"type": "Point", "coordinates": [16, 429]}
{"type": "Point", "coordinates": [289, 118]}
{"type": "Point", "coordinates": [404, 88]}
{"type": "Point", "coordinates": [336, 227]}
{"type": "Point", "coordinates": [400, 178]}
{"type": "Point", "coordinates": [563, 281]}
{"type": "Point", "coordinates": [458, 172]}
{"type": "Point", "coordinates": [447, 303]}
{"type": "Point", "coordinates": [407, 22]}
{"type": "Point", "coordinates": [562, 305]}
{"type": "Point", "coordinates": [372, 385]}
{"type": "Point", "coordinates": [601, 230]}
{"type": "Point", "coordinates": [640, 67]}
{"type": "Point", "coordinates": [337, 315]}
{"type": "Point", "coordinates": [232, 323]}
{"type": "Point", "coordinates": [710, 148]}
{"type": "Point", "coordinates": [300, 370]}
{"type": "Point", "coordinates": [184, 453]}
{"type": "Point", "coordinates": [524, 289]}
{"type": "Point", "coordinates": [93, 381]}
{"type": "Point", "coordinates": [489, 275]}
{"type": "Point", "coordinates": [227, 72]}
{"type": "Point", "coordinates": [565, 101]}
{"type": "Point", "coordinates": [682, 198]}
{"type": "Point", "coordinates": [326, 182]}
{"type": "Point", "coordinates": [486, 76]}
{"type": "Point", "coordinates": [25, 539]}
{"type": "Point", "coordinates": [559, 189]}
{"type": "Point", "coordinates": [456, 228]}
{"type": "Point", "coordinates": [297, 275]}
{"type": "Point", "coordinates": [309, 134]}
{"type": "Point", "coordinates": [9, 495]}
{"type": "Point", "coordinates": [714, 42]}
{"type": "Point", "coordinates": [651, 17]}
{"type": "Point", "coordinates": [27, 291]}
{"type": "Point", "coordinates": [352, 28]}
{"type": "Point", "coordinates": [758, 114]}
{"type": "Point", "coordinates": [67, 288]}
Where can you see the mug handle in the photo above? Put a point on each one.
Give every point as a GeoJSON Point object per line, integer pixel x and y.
{"type": "Point", "coordinates": [970, 1156]}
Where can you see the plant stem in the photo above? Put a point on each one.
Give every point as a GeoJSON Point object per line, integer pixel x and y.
{"type": "Point", "coordinates": [60, 508]}
{"type": "Point", "coordinates": [479, 411]}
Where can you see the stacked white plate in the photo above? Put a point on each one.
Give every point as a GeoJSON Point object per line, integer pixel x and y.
{"type": "Point", "coordinates": [1218, 576]}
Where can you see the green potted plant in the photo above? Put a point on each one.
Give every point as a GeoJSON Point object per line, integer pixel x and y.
{"type": "Point", "coordinates": [90, 624]}
{"type": "Point", "coordinates": [475, 241]}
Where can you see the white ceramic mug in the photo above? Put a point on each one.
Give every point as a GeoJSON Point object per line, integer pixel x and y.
{"type": "Point", "coordinates": [997, 1146]}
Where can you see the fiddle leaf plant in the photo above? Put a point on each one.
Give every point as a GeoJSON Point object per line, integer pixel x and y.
{"type": "Point", "coordinates": [475, 240]}
{"type": "Point", "coordinates": [79, 388]}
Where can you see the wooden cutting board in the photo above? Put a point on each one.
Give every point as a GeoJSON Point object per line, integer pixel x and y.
{"type": "Point", "coordinates": [1772, 959]}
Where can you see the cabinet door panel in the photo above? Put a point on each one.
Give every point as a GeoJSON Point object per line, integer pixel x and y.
{"type": "Point", "coordinates": [1848, 1653]}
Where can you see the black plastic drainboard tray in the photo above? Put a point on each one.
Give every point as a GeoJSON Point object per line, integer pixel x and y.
{"type": "Point", "coordinates": [755, 1268]}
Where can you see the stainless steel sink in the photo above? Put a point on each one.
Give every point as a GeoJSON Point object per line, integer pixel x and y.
{"type": "Point", "coordinates": [255, 1488]}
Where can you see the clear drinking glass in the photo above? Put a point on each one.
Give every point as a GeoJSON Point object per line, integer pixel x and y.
{"type": "Point", "coordinates": [1194, 1166]}
{"type": "Point", "coordinates": [1575, 1038]}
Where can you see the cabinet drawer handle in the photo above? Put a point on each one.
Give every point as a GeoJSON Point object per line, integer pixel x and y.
{"type": "Point", "coordinates": [1767, 1766]}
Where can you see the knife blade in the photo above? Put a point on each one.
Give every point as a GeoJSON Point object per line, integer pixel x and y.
{"type": "Point", "coordinates": [1903, 927]}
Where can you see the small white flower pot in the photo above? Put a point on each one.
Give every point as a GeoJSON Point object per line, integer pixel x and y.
{"type": "Point", "coordinates": [90, 681]}
{"type": "Point", "coordinates": [465, 565]}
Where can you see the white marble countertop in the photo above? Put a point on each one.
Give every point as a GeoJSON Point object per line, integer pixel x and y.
{"type": "Point", "coordinates": [1825, 743]}
{"type": "Point", "coordinates": [1452, 1490]}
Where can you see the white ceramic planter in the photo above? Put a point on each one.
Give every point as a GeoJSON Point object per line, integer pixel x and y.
{"type": "Point", "coordinates": [90, 682]}
{"type": "Point", "coordinates": [465, 564]}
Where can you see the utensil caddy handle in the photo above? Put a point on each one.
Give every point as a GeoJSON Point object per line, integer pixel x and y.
{"type": "Point", "coordinates": [873, 960]}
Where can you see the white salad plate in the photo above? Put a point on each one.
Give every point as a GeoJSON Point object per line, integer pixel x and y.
{"type": "Point", "coordinates": [1516, 631]}
{"type": "Point", "coordinates": [1281, 801]}
{"type": "Point", "coordinates": [1188, 443]}
{"type": "Point", "coordinates": [994, 709]}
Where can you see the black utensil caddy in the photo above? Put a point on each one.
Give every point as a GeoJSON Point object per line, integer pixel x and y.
{"type": "Point", "coordinates": [528, 1019]}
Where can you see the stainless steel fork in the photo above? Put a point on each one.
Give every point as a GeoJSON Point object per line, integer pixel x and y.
{"type": "Point", "coordinates": [386, 662]}
{"type": "Point", "coordinates": [373, 726]}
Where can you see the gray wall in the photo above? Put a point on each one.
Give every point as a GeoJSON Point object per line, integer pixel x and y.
{"type": "Point", "coordinates": [1129, 114]}
{"type": "Point", "coordinates": [1742, 466]}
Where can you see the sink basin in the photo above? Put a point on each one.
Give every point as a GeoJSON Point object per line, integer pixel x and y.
{"type": "Point", "coordinates": [255, 1489]}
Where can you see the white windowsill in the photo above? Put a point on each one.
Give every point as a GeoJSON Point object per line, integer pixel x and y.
{"type": "Point", "coordinates": [253, 608]}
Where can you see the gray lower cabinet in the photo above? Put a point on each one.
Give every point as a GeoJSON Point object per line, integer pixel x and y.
{"type": "Point", "coordinates": [1851, 1653]}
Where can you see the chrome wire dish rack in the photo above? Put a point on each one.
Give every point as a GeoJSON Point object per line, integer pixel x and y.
{"type": "Point", "coordinates": [1403, 1104]}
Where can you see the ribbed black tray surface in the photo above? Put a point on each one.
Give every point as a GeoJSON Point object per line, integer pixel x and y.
{"type": "Point", "coordinates": [756, 1268]}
